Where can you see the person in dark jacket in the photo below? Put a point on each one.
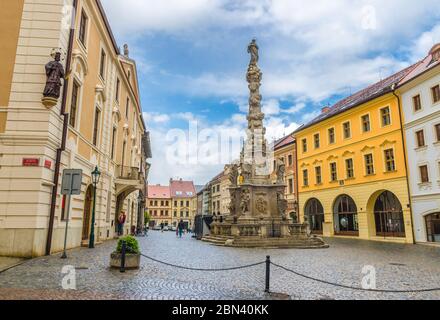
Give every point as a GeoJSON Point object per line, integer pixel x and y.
{"type": "Point", "coordinates": [121, 220]}
{"type": "Point", "coordinates": [180, 227]}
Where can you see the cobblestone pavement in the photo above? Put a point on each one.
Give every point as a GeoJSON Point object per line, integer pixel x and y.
{"type": "Point", "coordinates": [398, 267]}
{"type": "Point", "coordinates": [6, 262]}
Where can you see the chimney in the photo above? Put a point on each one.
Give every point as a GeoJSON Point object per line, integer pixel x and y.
{"type": "Point", "coordinates": [326, 109]}
{"type": "Point", "coordinates": [435, 52]}
{"type": "Point", "coordinates": [126, 51]}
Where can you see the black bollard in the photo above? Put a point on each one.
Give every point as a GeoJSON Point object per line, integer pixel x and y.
{"type": "Point", "coordinates": [267, 274]}
{"type": "Point", "coordinates": [123, 249]}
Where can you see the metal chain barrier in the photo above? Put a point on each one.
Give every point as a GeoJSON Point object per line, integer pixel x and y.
{"type": "Point", "coordinates": [351, 287]}
{"type": "Point", "coordinates": [202, 269]}
{"type": "Point", "coordinates": [268, 262]}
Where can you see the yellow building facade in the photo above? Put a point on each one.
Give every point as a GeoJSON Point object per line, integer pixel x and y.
{"type": "Point", "coordinates": [184, 209]}
{"type": "Point", "coordinates": [351, 169]}
{"type": "Point", "coordinates": [159, 205]}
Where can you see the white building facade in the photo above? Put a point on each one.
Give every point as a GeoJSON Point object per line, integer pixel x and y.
{"type": "Point", "coordinates": [420, 95]}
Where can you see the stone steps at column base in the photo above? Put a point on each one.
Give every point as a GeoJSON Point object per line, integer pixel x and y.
{"type": "Point", "coordinates": [256, 242]}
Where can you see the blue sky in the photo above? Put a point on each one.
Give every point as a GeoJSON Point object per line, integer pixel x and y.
{"type": "Point", "coordinates": [192, 59]}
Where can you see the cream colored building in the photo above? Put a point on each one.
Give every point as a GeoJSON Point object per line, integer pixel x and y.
{"type": "Point", "coordinates": [98, 123]}
{"type": "Point", "coordinates": [219, 196]}
{"type": "Point", "coordinates": [216, 194]}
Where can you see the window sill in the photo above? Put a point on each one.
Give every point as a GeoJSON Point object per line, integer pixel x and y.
{"type": "Point", "coordinates": [390, 172]}
{"type": "Point", "coordinates": [425, 184]}
{"type": "Point", "coordinates": [334, 182]}
{"type": "Point", "coordinates": [350, 179]}
{"type": "Point", "coordinates": [423, 148]}
{"type": "Point", "coordinates": [318, 184]}
{"type": "Point", "coordinates": [369, 175]}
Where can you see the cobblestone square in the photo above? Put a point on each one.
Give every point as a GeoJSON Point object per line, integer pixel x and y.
{"type": "Point", "coordinates": [398, 267]}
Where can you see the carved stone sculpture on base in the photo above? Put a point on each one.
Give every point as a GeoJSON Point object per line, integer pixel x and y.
{"type": "Point", "coordinates": [257, 211]}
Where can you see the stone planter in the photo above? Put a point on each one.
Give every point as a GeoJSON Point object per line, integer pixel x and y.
{"type": "Point", "coordinates": [132, 261]}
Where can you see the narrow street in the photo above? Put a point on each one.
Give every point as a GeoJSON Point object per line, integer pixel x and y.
{"type": "Point", "coordinates": [398, 267]}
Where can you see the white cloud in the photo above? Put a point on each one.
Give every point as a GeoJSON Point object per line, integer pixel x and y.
{"type": "Point", "coordinates": [296, 108]}
{"type": "Point", "coordinates": [156, 117]}
{"type": "Point", "coordinates": [424, 43]}
{"type": "Point", "coordinates": [230, 134]}
{"type": "Point", "coordinates": [271, 107]}
{"type": "Point", "coordinates": [310, 51]}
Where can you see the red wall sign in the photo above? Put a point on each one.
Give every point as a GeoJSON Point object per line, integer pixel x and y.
{"type": "Point", "coordinates": [31, 162]}
{"type": "Point", "coordinates": [48, 164]}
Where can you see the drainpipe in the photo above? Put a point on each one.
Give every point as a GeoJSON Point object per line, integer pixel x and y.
{"type": "Point", "coordinates": [64, 136]}
{"type": "Point", "coordinates": [399, 105]}
{"type": "Point", "coordinates": [298, 215]}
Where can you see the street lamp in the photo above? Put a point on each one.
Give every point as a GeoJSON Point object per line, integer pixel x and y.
{"type": "Point", "coordinates": [95, 179]}
{"type": "Point", "coordinates": [141, 215]}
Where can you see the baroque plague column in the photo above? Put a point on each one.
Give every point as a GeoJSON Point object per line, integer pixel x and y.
{"type": "Point", "coordinates": [257, 212]}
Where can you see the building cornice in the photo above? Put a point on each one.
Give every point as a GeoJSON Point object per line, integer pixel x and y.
{"type": "Point", "coordinates": [432, 116]}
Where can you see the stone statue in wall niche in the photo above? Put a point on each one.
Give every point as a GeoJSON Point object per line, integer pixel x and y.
{"type": "Point", "coordinates": [54, 74]}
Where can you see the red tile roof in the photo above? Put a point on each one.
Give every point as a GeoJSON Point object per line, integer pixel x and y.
{"type": "Point", "coordinates": [158, 192]}
{"type": "Point", "coordinates": [374, 91]}
{"type": "Point", "coordinates": [425, 65]}
{"type": "Point", "coordinates": [182, 189]}
{"type": "Point", "coordinates": [285, 141]}
{"type": "Point", "coordinates": [217, 177]}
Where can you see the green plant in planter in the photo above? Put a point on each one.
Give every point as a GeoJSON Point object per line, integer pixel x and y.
{"type": "Point", "coordinates": [132, 245]}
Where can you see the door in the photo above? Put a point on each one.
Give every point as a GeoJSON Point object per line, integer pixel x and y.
{"type": "Point", "coordinates": [433, 227]}
{"type": "Point", "coordinates": [87, 213]}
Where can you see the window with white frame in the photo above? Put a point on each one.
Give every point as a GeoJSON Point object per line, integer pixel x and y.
{"type": "Point", "coordinates": [385, 115]}
{"type": "Point", "coordinates": [424, 174]}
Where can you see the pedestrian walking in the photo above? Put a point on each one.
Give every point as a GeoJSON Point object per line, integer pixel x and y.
{"type": "Point", "coordinates": [180, 228]}
{"type": "Point", "coordinates": [121, 220]}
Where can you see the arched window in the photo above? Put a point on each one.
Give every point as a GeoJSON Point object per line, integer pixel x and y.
{"type": "Point", "coordinates": [345, 216]}
{"type": "Point", "coordinates": [433, 227]}
{"type": "Point", "coordinates": [388, 216]}
{"type": "Point", "coordinates": [315, 215]}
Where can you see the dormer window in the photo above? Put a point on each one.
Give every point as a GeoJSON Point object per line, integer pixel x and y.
{"type": "Point", "coordinates": [435, 52]}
